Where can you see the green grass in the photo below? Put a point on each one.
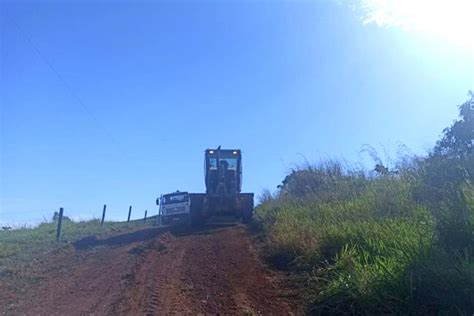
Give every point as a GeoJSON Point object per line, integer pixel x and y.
{"type": "Point", "coordinates": [26, 241]}
{"type": "Point", "coordinates": [362, 244]}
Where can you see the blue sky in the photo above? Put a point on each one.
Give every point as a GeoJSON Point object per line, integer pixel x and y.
{"type": "Point", "coordinates": [115, 103]}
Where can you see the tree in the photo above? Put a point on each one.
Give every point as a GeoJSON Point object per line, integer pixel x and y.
{"type": "Point", "coordinates": [458, 140]}
{"type": "Point", "coordinates": [448, 180]}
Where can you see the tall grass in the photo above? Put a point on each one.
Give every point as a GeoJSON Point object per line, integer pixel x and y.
{"type": "Point", "coordinates": [370, 243]}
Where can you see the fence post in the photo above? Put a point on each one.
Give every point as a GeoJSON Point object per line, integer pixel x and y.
{"type": "Point", "coordinates": [144, 220]}
{"type": "Point", "coordinates": [60, 223]}
{"type": "Point", "coordinates": [103, 215]}
{"type": "Point", "coordinates": [129, 213]}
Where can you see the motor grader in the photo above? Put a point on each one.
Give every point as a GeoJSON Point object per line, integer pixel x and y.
{"type": "Point", "coordinates": [223, 180]}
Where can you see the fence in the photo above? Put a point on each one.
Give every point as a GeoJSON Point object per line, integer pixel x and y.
{"type": "Point", "coordinates": [61, 214]}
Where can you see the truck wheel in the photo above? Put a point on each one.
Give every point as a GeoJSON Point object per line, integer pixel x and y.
{"type": "Point", "coordinates": [196, 217]}
{"type": "Point", "coordinates": [196, 220]}
{"type": "Point", "coordinates": [247, 211]}
{"type": "Point", "coordinates": [195, 213]}
{"type": "Point", "coordinates": [165, 220]}
{"type": "Point", "coordinates": [246, 217]}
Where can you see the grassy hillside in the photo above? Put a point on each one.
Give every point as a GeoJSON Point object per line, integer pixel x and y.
{"type": "Point", "coordinates": [20, 244]}
{"type": "Point", "coordinates": [397, 240]}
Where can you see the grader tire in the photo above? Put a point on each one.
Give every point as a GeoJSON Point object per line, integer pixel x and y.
{"type": "Point", "coordinates": [196, 215]}
{"type": "Point", "coordinates": [196, 219]}
{"type": "Point", "coordinates": [247, 211]}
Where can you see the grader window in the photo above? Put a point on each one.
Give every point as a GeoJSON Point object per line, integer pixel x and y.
{"type": "Point", "coordinates": [213, 163]}
{"type": "Point", "coordinates": [231, 163]}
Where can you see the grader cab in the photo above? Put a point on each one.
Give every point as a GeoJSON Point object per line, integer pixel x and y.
{"type": "Point", "coordinates": [223, 179]}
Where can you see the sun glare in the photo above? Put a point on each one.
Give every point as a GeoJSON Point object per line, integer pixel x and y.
{"type": "Point", "coordinates": [448, 20]}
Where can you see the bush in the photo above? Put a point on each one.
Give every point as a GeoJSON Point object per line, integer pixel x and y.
{"type": "Point", "coordinates": [395, 241]}
{"type": "Point", "coordinates": [376, 249]}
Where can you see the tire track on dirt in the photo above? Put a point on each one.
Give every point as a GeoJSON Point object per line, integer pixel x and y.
{"type": "Point", "coordinates": [162, 296]}
{"type": "Point", "coordinates": [81, 278]}
{"type": "Point", "coordinates": [155, 287]}
{"type": "Point", "coordinates": [214, 270]}
{"type": "Point", "coordinates": [235, 282]}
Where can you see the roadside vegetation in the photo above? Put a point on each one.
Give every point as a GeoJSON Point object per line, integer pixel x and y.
{"type": "Point", "coordinates": [393, 240]}
{"type": "Point", "coordinates": [19, 245]}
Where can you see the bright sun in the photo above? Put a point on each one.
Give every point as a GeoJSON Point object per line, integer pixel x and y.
{"type": "Point", "coordinates": [451, 20]}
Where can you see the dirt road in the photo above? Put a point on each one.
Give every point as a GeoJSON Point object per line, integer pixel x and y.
{"type": "Point", "coordinates": [155, 271]}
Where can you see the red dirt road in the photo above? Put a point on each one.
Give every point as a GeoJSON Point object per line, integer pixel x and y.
{"type": "Point", "coordinates": [151, 272]}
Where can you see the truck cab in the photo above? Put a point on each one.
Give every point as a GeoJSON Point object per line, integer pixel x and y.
{"type": "Point", "coordinates": [174, 207]}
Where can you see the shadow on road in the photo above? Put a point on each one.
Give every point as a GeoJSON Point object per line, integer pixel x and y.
{"type": "Point", "coordinates": [205, 229]}
{"type": "Point", "coordinates": [141, 235]}
{"type": "Point", "coordinates": [178, 230]}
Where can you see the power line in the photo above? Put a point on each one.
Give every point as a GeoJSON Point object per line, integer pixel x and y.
{"type": "Point", "coordinates": [64, 82]}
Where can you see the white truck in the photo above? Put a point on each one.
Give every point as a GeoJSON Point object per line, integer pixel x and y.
{"type": "Point", "coordinates": [174, 207]}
